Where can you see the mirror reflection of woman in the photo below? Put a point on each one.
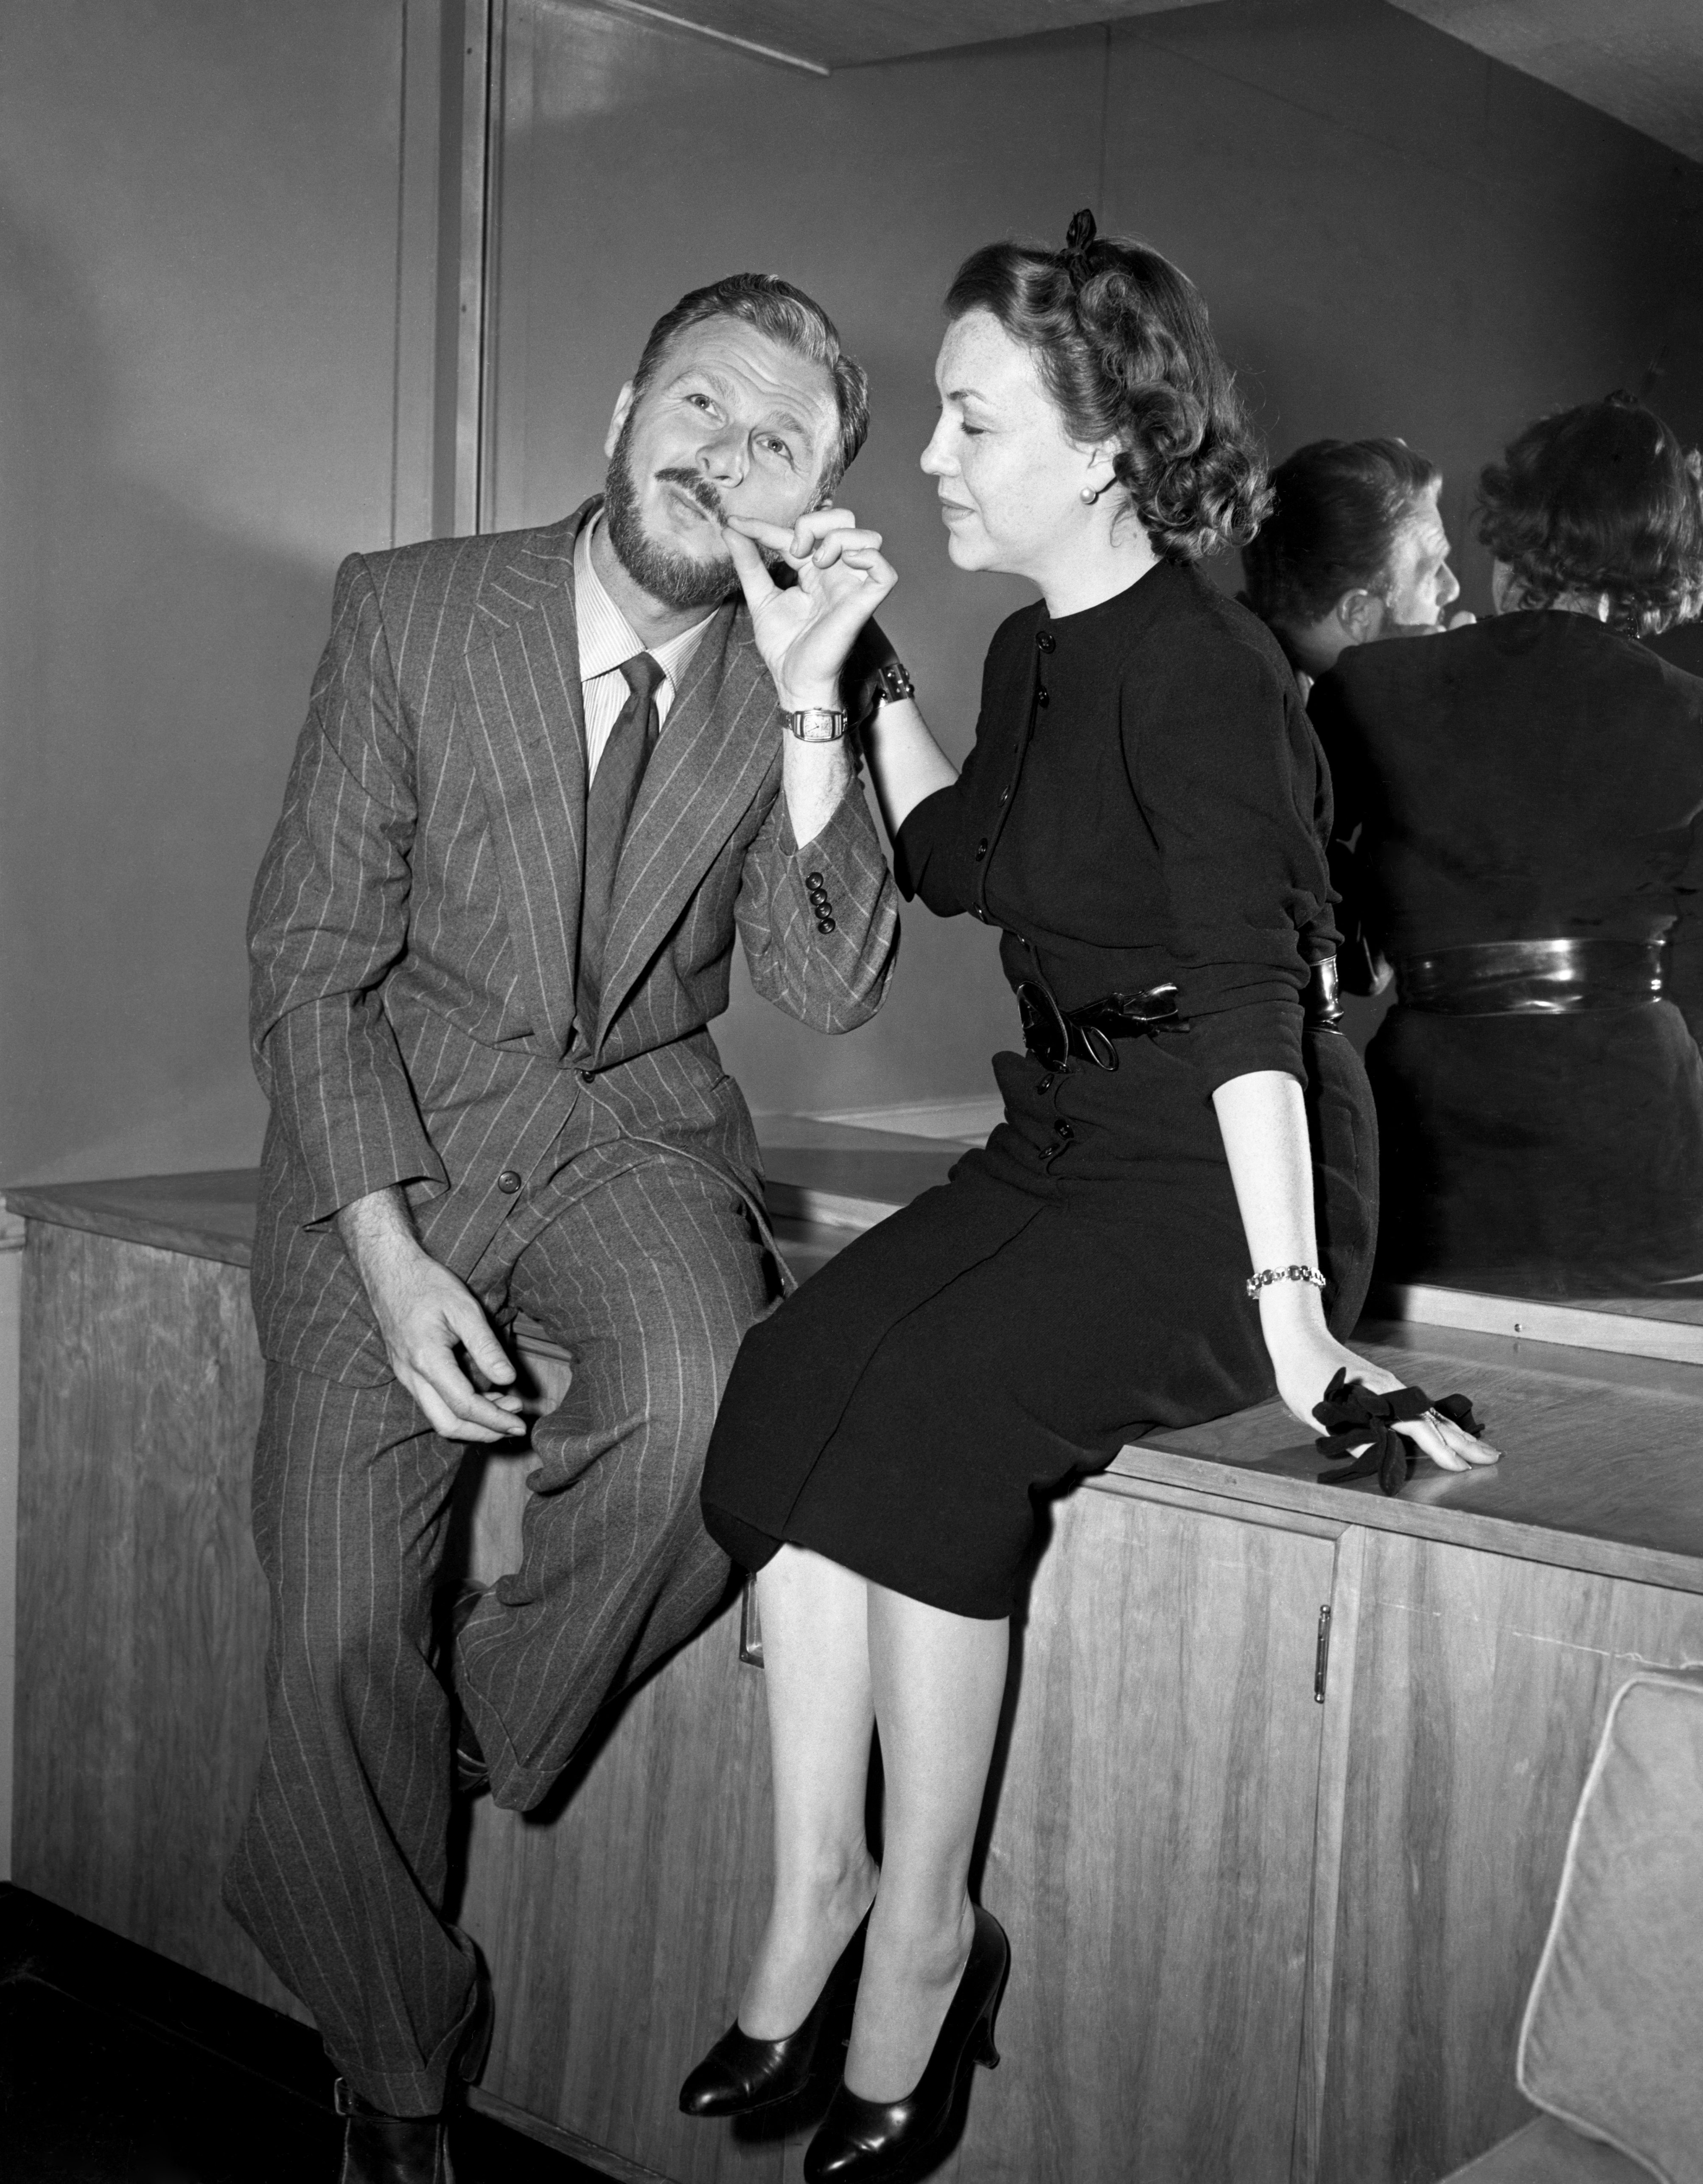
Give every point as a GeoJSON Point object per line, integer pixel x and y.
{"type": "Point", "coordinates": [1143, 817]}
{"type": "Point", "coordinates": [1526, 795]}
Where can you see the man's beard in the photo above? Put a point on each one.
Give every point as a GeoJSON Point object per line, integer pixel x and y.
{"type": "Point", "coordinates": [673, 579]}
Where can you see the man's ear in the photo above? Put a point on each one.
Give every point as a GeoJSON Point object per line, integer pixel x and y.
{"type": "Point", "coordinates": [623, 404]}
{"type": "Point", "coordinates": [1361, 615]}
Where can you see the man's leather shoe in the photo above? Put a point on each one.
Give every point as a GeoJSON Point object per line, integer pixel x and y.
{"type": "Point", "coordinates": [388, 2149]}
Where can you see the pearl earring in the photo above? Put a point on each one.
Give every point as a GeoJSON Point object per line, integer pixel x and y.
{"type": "Point", "coordinates": [1091, 493]}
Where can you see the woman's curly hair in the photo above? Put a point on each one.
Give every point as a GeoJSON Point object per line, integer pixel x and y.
{"type": "Point", "coordinates": [1601, 499]}
{"type": "Point", "coordinates": [1124, 348]}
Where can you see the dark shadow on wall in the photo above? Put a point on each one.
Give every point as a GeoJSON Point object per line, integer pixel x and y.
{"type": "Point", "coordinates": [142, 651]}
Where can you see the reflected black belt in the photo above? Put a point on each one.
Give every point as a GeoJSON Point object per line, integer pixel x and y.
{"type": "Point", "coordinates": [1534, 977]}
{"type": "Point", "coordinates": [1089, 1032]}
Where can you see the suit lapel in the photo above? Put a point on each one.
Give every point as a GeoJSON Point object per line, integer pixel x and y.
{"type": "Point", "coordinates": [521, 674]}
{"type": "Point", "coordinates": [718, 746]}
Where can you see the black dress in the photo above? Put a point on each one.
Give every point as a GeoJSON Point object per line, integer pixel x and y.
{"type": "Point", "coordinates": [1535, 777]}
{"type": "Point", "coordinates": [1145, 801]}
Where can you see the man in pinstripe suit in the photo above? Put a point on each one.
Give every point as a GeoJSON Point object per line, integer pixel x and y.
{"type": "Point", "coordinates": [482, 987]}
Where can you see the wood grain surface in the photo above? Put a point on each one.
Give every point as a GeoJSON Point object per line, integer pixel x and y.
{"type": "Point", "coordinates": [1600, 1468]}
{"type": "Point", "coordinates": [141, 1613]}
{"type": "Point", "coordinates": [1481, 1685]}
{"type": "Point", "coordinates": [1256, 1937]}
{"type": "Point", "coordinates": [1152, 1853]}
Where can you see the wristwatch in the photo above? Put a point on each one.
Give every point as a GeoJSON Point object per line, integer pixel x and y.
{"type": "Point", "coordinates": [816, 724]}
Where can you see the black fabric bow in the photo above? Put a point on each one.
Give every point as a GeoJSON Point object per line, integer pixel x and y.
{"type": "Point", "coordinates": [1079, 238]}
{"type": "Point", "coordinates": [1363, 1427]}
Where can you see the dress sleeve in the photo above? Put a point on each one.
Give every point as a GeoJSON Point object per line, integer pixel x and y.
{"type": "Point", "coordinates": [1352, 878]}
{"type": "Point", "coordinates": [1685, 940]}
{"type": "Point", "coordinates": [933, 850]}
{"type": "Point", "coordinates": [1226, 769]}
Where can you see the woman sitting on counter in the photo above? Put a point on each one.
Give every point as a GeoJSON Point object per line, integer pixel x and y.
{"type": "Point", "coordinates": [1143, 817]}
{"type": "Point", "coordinates": [1526, 794]}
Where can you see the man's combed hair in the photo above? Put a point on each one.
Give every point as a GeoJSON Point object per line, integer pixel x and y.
{"type": "Point", "coordinates": [1124, 348]}
{"type": "Point", "coordinates": [792, 320]}
{"type": "Point", "coordinates": [1339, 505]}
{"type": "Point", "coordinates": [1601, 499]}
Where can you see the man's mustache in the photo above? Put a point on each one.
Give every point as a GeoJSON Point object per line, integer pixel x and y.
{"type": "Point", "coordinates": [695, 483]}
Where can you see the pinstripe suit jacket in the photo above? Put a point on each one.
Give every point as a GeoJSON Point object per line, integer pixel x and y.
{"type": "Point", "coordinates": [414, 925]}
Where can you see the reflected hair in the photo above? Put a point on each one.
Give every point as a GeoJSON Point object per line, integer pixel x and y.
{"type": "Point", "coordinates": [1123, 347]}
{"type": "Point", "coordinates": [1602, 497]}
{"type": "Point", "coordinates": [1339, 505]}
{"type": "Point", "coordinates": [792, 320]}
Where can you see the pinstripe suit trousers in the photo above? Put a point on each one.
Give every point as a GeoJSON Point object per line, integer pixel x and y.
{"type": "Point", "coordinates": [650, 1277]}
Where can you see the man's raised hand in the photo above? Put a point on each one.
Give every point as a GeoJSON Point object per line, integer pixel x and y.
{"type": "Point", "coordinates": [805, 631]}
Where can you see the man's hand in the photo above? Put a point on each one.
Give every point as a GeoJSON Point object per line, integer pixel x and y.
{"type": "Point", "coordinates": [806, 632]}
{"type": "Point", "coordinates": [424, 1315]}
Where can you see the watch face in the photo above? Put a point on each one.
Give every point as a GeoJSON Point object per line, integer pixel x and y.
{"type": "Point", "coordinates": [819, 726]}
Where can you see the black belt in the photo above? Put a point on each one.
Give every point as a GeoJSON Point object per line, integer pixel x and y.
{"type": "Point", "coordinates": [1051, 1034]}
{"type": "Point", "coordinates": [1534, 977]}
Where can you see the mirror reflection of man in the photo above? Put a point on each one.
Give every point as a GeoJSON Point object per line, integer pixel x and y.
{"type": "Point", "coordinates": [544, 783]}
{"type": "Point", "coordinates": [1354, 551]}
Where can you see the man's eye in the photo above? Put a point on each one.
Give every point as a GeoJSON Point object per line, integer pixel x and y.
{"type": "Point", "coordinates": [778, 447]}
{"type": "Point", "coordinates": [703, 401]}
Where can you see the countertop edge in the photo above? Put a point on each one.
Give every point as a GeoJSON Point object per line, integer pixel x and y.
{"type": "Point", "coordinates": [55, 1204]}
{"type": "Point", "coordinates": [1522, 1539]}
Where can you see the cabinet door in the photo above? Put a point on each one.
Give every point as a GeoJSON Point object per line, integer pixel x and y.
{"type": "Point", "coordinates": [1152, 1853]}
{"type": "Point", "coordinates": [141, 1611]}
{"type": "Point", "coordinates": [1480, 1687]}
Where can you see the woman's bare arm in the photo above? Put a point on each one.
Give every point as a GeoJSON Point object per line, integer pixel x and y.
{"type": "Point", "coordinates": [1263, 1119]}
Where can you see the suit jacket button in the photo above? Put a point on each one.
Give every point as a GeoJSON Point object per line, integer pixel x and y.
{"type": "Point", "coordinates": [825, 925]}
{"type": "Point", "coordinates": [587, 1076]}
{"type": "Point", "coordinates": [509, 1181]}
{"type": "Point", "coordinates": [1045, 639]}
{"type": "Point", "coordinates": [815, 883]}
{"type": "Point", "coordinates": [981, 849]}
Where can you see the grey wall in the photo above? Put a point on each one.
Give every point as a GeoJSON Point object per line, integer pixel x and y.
{"type": "Point", "coordinates": [1394, 234]}
{"type": "Point", "coordinates": [199, 309]}
{"type": "Point", "coordinates": [204, 359]}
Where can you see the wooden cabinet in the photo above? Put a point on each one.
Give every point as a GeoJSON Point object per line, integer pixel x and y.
{"type": "Point", "coordinates": [1152, 1850]}
{"type": "Point", "coordinates": [1273, 1909]}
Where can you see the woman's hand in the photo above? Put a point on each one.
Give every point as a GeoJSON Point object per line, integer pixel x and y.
{"type": "Point", "coordinates": [1306, 1357]}
{"type": "Point", "coordinates": [804, 633]}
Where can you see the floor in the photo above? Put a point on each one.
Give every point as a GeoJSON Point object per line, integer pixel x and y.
{"type": "Point", "coordinates": [117, 2067]}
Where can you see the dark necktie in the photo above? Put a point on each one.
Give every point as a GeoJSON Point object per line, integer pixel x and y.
{"type": "Point", "coordinates": [614, 792]}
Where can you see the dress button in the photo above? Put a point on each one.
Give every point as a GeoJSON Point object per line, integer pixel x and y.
{"type": "Point", "coordinates": [1005, 795]}
{"type": "Point", "coordinates": [825, 925]}
{"type": "Point", "coordinates": [1066, 1129]}
{"type": "Point", "coordinates": [813, 881]}
{"type": "Point", "coordinates": [509, 1181]}
{"type": "Point", "coordinates": [586, 1076]}
{"type": "Point", "coordinates": [1045, 639]}
{"type": "Point", "coordinates": [1043, 698]}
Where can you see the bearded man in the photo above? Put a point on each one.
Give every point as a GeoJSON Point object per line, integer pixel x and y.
{"type": "Point", "coordinates": [544, 779]}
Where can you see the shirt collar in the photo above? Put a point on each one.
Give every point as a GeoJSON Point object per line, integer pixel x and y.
{"type": "Point", "coordinates": [607, 638]}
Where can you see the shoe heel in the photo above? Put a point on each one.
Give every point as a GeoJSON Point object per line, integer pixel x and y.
{"type": "Point", "coordinates": [986, 2052]}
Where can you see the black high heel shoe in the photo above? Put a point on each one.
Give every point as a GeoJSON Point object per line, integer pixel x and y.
{"type": "Point", "coordinates": [893, 2142]}
{"type": "Point", "coordinates": [740, 2074]}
